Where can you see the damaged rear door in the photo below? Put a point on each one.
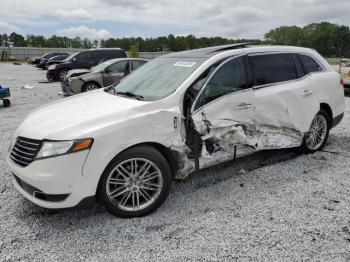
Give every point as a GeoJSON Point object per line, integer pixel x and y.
{"type": "Point", "coordinates": [223, 113]}
{"type": "Point", "coordinates": [284, 97]}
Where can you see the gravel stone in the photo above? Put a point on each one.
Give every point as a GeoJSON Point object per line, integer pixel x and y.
{"type": "Point", "coordinates": [284, 207]}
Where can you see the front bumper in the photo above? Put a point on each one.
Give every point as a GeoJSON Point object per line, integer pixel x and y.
{"type": "Point", "coordinates": [56, 182]}
{"type": "Point", "coordinates": [72, 88]}
{"type": "Point", "coordinates": [51, 75]}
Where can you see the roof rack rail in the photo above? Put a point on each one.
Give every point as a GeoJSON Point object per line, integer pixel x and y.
{"type": "Point", "coordinates": [229, 47]}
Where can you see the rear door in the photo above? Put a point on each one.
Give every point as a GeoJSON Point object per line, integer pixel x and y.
{"type": "Point", "coordinates": [115, 72]}
{"type": "Point", "coordinates": [84, 60]}
{"type": "Point", "coordinates": [284, 97]}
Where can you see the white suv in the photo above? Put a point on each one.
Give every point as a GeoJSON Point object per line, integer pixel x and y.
{"type": "Point", "coordinates": [177, 114]}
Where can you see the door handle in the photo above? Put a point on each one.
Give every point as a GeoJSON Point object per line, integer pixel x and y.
{"type": "Point", "coordinates": [307, 93]}
{"type": "Point", "coordinates": [243, 106]}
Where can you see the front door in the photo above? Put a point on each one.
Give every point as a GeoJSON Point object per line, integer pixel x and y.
{"type": "Point", "coordinates": [223, 114]}
{"type": "Point", "coordinates": [115, 72]}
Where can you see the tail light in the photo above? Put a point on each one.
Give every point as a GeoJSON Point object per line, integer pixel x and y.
{"type": "Point", "coordinates": [342, 82]}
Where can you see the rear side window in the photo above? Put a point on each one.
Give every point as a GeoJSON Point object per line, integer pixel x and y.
{"type": "Point", "coordinates": [272, 68]}
{"type": "Point", "coordinates": [84, 57]}
{"type": "Point", "coordinates": [309, 64]}
{"type": "Point", "coordinates": [136, 64]}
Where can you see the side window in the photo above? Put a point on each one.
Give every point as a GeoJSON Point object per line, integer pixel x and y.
{"type": "Point", "coordinates": [309, 64]}
{"type": "Point", "coordinates": [229, 78]}
{"type": "Point", "coordinates": [99, 56]}
{"type": "Point", "coordinates": [136, 64]}
{"type": "Point", "coordinates": [119, 67]}
{"type": "Point", "coordinates": [272, 68]}
{"type": "Point", "coordinates": [84, 57]}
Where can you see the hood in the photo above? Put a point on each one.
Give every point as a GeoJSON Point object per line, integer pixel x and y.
{"type": "Point", "coordinates": [78, 116]}
{"type": "Point", "coordinates": [77, 72]}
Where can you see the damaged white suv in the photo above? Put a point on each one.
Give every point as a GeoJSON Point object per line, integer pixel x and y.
{"type": "Point", "coordinates": [177, 114]}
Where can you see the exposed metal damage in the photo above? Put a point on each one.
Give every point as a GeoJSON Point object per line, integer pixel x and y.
{"type": "Point", "coordinates": [226, 139]}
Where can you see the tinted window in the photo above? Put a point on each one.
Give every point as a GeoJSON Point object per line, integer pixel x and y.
{"type": "Point", "coordinates": [136, 64]}
{"type": "Point", "coordinates": [84, 57]}
{"type": "Point", "coordinates": [309, 64]}
{"type": "Point", "coordinates": [229, 78]}
{"type": "Point", "coordinates": [268, 69]}
{"type": "Point", "coordinates": [120, 67]}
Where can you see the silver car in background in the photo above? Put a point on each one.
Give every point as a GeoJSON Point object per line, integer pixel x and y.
{"type": "Point", "coordinates": [105, 74]}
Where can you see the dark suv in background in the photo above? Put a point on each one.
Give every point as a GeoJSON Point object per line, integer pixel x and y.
{"type": "Point", "coordinates": [85, 59]}
{"type": "Point", "coordinates": [46, 57]}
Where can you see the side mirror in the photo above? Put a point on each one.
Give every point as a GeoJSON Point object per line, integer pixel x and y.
{"type": "Point", "coordinates": [74, 60]}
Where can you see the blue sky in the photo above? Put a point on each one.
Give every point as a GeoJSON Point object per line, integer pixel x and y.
{"type": "Point", "coordinates": [99, 19]}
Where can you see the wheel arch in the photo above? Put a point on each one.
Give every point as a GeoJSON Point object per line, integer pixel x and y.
{"type": "Point", "coordinates": [169, 155]}
{"type": "Point", "coordinates": [329, 111]}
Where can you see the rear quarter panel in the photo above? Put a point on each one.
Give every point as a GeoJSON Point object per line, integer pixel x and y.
{"type": "Point", "coordinates": [330, 91]}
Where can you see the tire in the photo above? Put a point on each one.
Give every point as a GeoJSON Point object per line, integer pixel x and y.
{"type": "Point", "coordinates": [61, 74]}
{"type": "Point", "coordinates": [90, 86]}
{"type": "Point", "coordinates": [323, 133]}
{"type": "Point", "coordinates": [126, 205]}
{"type": "Point", "coordinates": [7, 102]}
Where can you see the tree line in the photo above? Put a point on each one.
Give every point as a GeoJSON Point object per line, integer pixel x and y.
{"type": "Point", "coordinates": [331, 40]}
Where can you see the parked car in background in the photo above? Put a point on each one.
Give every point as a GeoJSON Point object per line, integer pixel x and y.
{"type": "Point", "coordinates": [56, 60]}
{"type": "Point", "coordinates": [34, 60]}
{"type": "Point", "coordinates": [46, 57]}
{"type": "Point", "coordinates": [83, 60]}
{"type": "Point", "coordinates": [102, 75]}
{"type": "Point", "coordinates": [345, 73]}
{"type": "Point", "coordinates": [175, 115]}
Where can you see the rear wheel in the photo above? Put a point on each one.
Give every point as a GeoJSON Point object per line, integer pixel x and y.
{"type": "Point", "coordinates": [90, 86]}
{"type": "Point", "coordinates": [135, 183]}
{"type": "Point", "coordinates": [316, 138]}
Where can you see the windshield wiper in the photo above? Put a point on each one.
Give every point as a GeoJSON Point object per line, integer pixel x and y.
{"type": "Point", "coordinates": [129, 94]}
{"type": "Point", "coordinates": [111, 87]}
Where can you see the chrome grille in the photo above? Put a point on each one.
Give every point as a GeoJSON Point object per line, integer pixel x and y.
{"type": "Point", "coordinates": [24, 151]}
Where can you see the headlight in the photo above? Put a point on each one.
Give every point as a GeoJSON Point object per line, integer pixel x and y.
{"type": "Point", "coordinates": [56, 148]}
{"type": "Point", "coordinates": [51, 67]}
{"type": "Point", "coordinates": [72, 79]}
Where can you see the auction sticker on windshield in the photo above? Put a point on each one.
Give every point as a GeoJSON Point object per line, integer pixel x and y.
{"type": "Point", "coordinates": [185, 64]}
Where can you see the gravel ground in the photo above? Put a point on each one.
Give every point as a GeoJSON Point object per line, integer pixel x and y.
{"type": "Point", "coordinates": [271, 206]}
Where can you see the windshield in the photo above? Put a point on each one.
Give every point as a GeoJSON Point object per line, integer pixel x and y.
{"type": "Point", "coordinates": [69, 58]}
{"type": "Point", "coordinates": [159, 78]}
{"type": "Point", "coordinates": [102, 66]}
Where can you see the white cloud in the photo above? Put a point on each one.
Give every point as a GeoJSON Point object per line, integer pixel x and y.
{"type": "Point", "coordinates": [84, 32]}
{"type": "Point", "coordinates": [73, 15]}
{"type": "Point", "coordinates": [228, 18]}
{"type": "Point", "coordinates": [7, 28]}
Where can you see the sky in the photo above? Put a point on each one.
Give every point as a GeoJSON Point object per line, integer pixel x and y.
{"type": "Point", "coordinates": [101, 19]}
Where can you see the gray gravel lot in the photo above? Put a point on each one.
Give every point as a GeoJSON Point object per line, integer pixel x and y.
{"type": "Point", "coordinates": [271, 206]}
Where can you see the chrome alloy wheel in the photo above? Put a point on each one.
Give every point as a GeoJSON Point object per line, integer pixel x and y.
{"type": "Point", "coordinates": [134, 184]}
{"type": "Point", "coordinates": [91, 87]}
{"type": "Point", "coordinates": [317, 133]}
{"type": "Point", "coordinates": [62, 75]}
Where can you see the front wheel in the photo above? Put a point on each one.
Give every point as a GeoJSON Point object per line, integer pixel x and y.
{"type": "Point", "coordinates": [90, 86]}
{"type": "Point", "coordinates": [135, 183]}
{"type": "Point", "coordinates": [316, 138]}
{"type": "Point", "coordinates": [62, 74]}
